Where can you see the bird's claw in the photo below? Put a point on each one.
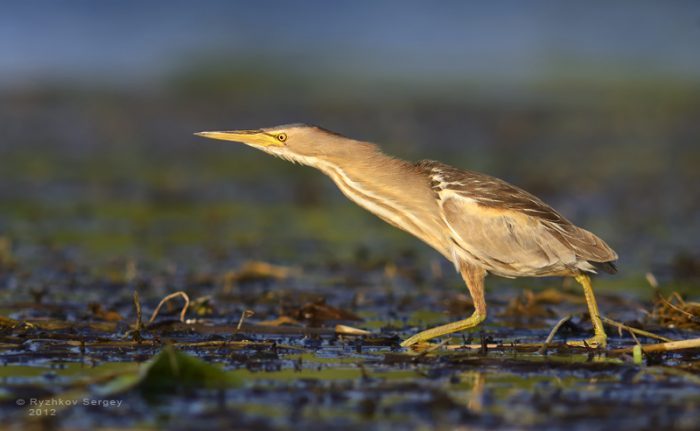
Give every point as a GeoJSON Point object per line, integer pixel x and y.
{"type": "Point", "coordinates": [414, 342]}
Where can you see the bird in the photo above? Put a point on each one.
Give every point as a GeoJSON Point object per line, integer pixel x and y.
{"type": "Point", "coordinates": [480, 223]}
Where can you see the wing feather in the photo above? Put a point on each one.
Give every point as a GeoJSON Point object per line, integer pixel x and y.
{"type": "Point", "coordinates": [509, 225]}
{"type": "Point", "coordinates": [505, 242]}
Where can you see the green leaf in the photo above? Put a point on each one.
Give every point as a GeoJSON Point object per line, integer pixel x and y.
{"type": "Point", "coordinates": [173, 369]}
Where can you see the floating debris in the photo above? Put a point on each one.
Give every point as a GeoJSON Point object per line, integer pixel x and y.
{"type": "Point", "coordinates": [256, 271]}
{"type": "Point", "coordinates": [318, 312]}
{"type": "Point", "coordinates": [675, 312]}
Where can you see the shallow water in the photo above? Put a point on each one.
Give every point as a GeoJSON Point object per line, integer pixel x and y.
{"type": "Point", "coordinates": [305, 375]}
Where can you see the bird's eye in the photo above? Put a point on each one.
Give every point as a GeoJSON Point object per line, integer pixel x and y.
{"type": "Point", "coordinates": [282, 137]}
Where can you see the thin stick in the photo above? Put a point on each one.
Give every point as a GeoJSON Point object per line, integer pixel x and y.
{"type": "Point", "coordinates": [552, 333]}
{"type": "Point", "coordinates": [246, 314]}
{"type": "Point", "coordinates": [634, 337]}
{"type": "Point", "coordinates": [136, 334]}
{"type": "Point", "coordinates": [137, 304]}
{"type": "Point", "coordinates": [350, 330]}
{"type": "Point", "coordinates": [677, 308]}
{"type": "Point", "coordinates": [693, 343]}
{"type": "Point", "coordinates": [168, 298]}
{"type": "Point", "coordinates": [641, 332]}
{"type": "Point", "coordinates": [651, 279]}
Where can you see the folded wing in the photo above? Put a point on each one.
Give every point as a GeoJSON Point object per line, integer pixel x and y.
{"type": "Point", "coordinates": [510, 231]}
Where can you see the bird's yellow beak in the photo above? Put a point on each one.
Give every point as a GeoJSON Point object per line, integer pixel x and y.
{"type": "Point", "coordinates": [249, 137]}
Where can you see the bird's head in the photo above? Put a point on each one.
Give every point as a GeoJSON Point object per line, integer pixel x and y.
{"type": "Point", "coordinates": [299, 143]}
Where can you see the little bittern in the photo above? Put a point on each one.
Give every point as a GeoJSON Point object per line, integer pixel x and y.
{"type": "Point", "coordinates": [480, 223]}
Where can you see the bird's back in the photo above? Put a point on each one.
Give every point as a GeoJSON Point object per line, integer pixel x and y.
{"type": "Point", "coordinates": [509, 230]}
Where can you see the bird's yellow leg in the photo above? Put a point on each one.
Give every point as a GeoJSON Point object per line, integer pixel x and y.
{"type": "Point", "coordinates": [599, 339]}
{"type": "Point", "coordinates": [449, 328]}
{"type": "Point", "coordinates": [474, 277]}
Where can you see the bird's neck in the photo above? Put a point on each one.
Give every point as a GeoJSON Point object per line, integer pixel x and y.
{"type": "Point", "coordinates": [366, 168]}
{"type": "Point", "coordinates": [389, 188]}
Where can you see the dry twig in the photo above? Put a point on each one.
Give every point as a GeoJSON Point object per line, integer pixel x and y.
{"type": "Point", "coordinates": [554, 331]}
{"type": "Point", "coordinates": [349, 330]}
{"type": "Point", "coordinates": [674, 311]}
{"type": "Point", "coordinates": [246, 314]}
{"type": "Point", "coordinates": [693, 343]}
{"type": "Point", "coordinates": [168, 298]}
{"type": "Point", "coordinates": [632, 330]}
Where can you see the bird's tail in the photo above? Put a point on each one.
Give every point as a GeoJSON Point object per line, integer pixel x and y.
{"type": "Point", "coordinates": [608, 267]}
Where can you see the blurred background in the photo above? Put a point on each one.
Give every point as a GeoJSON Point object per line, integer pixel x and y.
{"type": "Point", "coordinates": [593, 107]}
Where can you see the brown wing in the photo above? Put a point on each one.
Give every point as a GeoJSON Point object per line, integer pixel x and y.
{"type": "Point", "coordinates": [508, 223]}
{"type": "Point", "coordinates": [504, 242]}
